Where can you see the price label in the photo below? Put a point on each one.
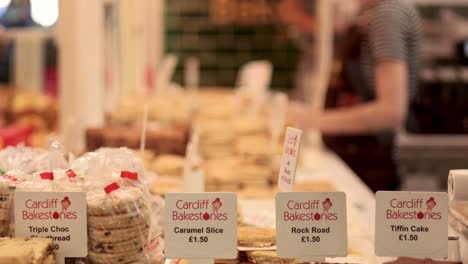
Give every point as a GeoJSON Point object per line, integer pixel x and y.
{"type": "Point", "coordinates": [411, 224]}
{"type": "Point", "coordinates": [200, 239]}
{"type": "Point", "coordinates": [310, 225]}
{"type": "Point", "coordinates": [60, 216]}
{"type": "Point", "coordinates": [201, 225]}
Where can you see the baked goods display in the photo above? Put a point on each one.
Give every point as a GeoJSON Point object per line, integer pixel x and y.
{"type": "Point", "coordinates": [125, 188]}
{"type": "Point", "coordinates": [171, 139]}
{"type": "Point", "coordinates": [235, 145]}
{"type": "Point", "coordinates": [26, 109]}
{"type": "Point", "coordinates": [264, 257]}
{"type": "Point", "coordinates": [26, 250]}
{"type": "Point", "coordinates": [129, 109]}
{"type": "Point", "coordinates": [256, 237]}
{"type": "Point", "coordinates": [123, 219]}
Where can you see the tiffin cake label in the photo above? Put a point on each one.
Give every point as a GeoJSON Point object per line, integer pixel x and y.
{"type": "Point", "coordinates": [59, 216]}
{"type": "Point", "coordinates": [311, 225]}
{"type": "Point", "coordinates": [411, 224]}
{"type": "Point", "coordinates": [289, 158]}
{"type": "Point", "coordinates": [201, 225]}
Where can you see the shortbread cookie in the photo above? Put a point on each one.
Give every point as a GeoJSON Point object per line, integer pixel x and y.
{"type": "Point", "coordinates": [136, 256]}
{"type": "Point", "coordinates": [118, 235]}
{"type": "Point", "coordinates": [119, 202]}
{"type": "Point", "coordinates": [267, 257]}
{"type": "Point", "coordinates": [135, 244]}
{"type": "Point", "coordinates": [256, 237]}
{"type": "Point", "coordinates": [116, 221]}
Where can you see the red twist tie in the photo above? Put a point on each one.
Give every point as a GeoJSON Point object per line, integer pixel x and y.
{"type": "Point", "coordinates": [47, 176]}
{"type": "Point", "coordinates": [11, 178]}
{"type": "Point", "coordinates": [129, 175]}
{"type": "Point", "coordinates": [111, 187]}
{"type": "Point", "coordinates": [70, 173]}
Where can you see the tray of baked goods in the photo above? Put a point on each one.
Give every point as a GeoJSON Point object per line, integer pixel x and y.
{"type": "Point", "coordinates": [257, 245]}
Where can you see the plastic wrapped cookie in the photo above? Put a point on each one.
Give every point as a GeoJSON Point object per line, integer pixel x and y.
{"type": "Point", "coordinates": [119, 224]}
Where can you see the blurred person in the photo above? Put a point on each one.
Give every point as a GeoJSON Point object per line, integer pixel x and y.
{"type": "Point", "coordinates": [302, 20]}
{"type": "Point", "coordinates": [374, 75]}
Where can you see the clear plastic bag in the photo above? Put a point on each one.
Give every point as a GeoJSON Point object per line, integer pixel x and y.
{"type": "Point", "coordinates": [119, 224]}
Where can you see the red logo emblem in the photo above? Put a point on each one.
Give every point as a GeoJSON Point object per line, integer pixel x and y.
{"type": "Point", "coordinates": [65, 203]}
{"type": "Point", "coordinates": [431, 203]}
{"type": "Point", "coordinates": [216, 205]}
{"type": "Point", "coordinates": [327, 204]}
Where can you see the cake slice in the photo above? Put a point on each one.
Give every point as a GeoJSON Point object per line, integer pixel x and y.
{"type": "Point", "coordinates": [26, 251]}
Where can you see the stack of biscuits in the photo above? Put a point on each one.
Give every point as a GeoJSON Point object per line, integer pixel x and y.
{"type": "Point", "coordinates": [214, 124]}
{"type": "Point", "coordinates": [255, 158]}
{"type": "Point", "coordinates": [118, 225]}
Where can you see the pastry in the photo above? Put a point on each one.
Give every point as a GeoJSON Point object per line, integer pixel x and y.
{"type": "Point", "coordinates": [256, 237]}
{"type": "Point", "coordinates": [267, 257]}
{"type": "Point", "coordinates": [26, 250]}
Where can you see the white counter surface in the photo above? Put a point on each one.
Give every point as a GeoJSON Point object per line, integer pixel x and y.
{"type": "Point", "coordinates": [323, 165]}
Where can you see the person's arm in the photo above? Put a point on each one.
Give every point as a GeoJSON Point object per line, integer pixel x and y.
{"type": "Point", "coordinates": [388, 111]}
{"type": "Point", "coordinates": [293, 12]}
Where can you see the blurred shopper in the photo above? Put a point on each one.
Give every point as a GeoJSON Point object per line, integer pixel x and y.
{"type": "Point", "coordinates": [373, 77]}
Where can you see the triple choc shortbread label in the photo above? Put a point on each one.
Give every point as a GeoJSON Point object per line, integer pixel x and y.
{"type": "Point", "coordinates": [411, 224]}
{"type": "Point", "coordinates": [60, 216]}
{"type": "Point", "coordinates": [201, 225]}
{"type": "Point", "coordinates": [311, 225]}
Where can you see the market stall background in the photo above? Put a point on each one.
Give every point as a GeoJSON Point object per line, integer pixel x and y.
{"type": "Point", "coordinates": [223, 37]}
